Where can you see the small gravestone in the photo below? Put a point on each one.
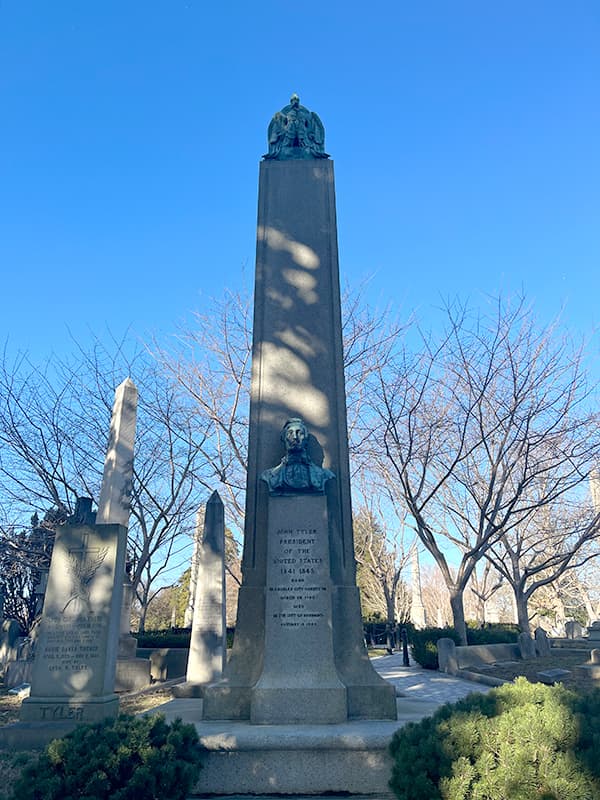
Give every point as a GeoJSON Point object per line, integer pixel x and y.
{"type": "Point", "coordinates": [591, 670]}
{"type": "Point", "coordinates": [447, 656]}
{"type": "Point", "coordinates": [9, 641]}
{"type": "Point", "coordinates": [552, 676]}
{"type": "Point", "coordinates": [542, 644]}
{"type": "Point", "coordinates": [573, 629]}
{"type": "Point", "coordinates": [526, 646]}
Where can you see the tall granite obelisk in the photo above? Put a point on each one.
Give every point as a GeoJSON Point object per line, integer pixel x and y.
{"type": "Point", "coordinates": [299, 634]}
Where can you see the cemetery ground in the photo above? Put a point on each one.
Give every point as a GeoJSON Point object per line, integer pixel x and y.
{"type": "Point", "coordinates": [12, 763]}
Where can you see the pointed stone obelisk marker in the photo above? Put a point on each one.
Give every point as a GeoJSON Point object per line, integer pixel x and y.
{"type": "Point", "coordinates": [115, 494]}
{"type": "Point", "coordinates": [209, 633]}
{"type": "Point", "coordinates": [298, 372]}
{"type": "Point", "coordinates": [198, 533]}
{"type": "Point", "coordinates": [417, 609]}
{"type": "Point", "coordinates": [73, 673]}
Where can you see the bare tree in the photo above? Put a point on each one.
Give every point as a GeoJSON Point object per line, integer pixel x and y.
{"type": "Point", "coordinates": [210, 360]}
{"type": "Point", "coordinates": [381, 560]}
{"type": "Point", "coordinates": [484, 584]}
{"type": "Point", "coordinates": [482, 429]}
{"type": "Point", "coordinates": [191, 432]}
{"type": "Point", "coordinates": [54, 427]}
{"type": "Point", "coordinates": [542, 550]}
{"type": "Point", "coordinates": [435, 597]}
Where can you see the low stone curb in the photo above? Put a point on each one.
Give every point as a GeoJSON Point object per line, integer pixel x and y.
{"type": "Point", "coordinates": [477, 677]}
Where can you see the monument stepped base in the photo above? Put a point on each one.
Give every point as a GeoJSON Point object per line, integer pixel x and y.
{"type": "Point", "coordinates": [242, 759]}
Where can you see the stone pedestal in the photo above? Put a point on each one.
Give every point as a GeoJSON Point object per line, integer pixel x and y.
{"type": "Point", "coordinates": [299, 682]}
{"type": "Point", "coordinates": [132, 673]}
{"type": "Point", "coordinates": [594, 634]}
{"type": "Point", "coordinates": [127, 642]}
{"type": "Point", "coordinates": [73, 671]}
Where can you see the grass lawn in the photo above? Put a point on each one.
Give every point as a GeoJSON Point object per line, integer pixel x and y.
{"type": "Point", "coordinates": [557, 660]}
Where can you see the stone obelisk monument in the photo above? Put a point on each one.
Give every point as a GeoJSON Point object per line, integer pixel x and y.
{"type": "Point", "coordinates": [417, 609]}
{"type": "Point", "coordinates": [298, 653]}
{"type": "Point", "coordinates": [209, 628]}
{"type": "Point", "coordinates": [198, 533]}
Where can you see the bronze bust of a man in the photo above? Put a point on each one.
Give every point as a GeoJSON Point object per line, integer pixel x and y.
{"type": "Point", "coordinates": [296, 473]}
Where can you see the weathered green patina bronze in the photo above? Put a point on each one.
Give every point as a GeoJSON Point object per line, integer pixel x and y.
{"type": "Point", "coordinates": [296, 473]}
{"type": "Point", "coordinates": [296, 132]}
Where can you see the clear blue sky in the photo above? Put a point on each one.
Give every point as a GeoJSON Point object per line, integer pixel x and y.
{"type": "Point", "coordinates": [466, 140]}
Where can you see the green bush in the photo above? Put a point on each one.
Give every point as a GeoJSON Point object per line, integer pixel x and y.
{"type": "Point", "coordinates": [424, 641]}
{"type": "Point", "coordinates": [492, 633]}
{"type": "Point", "coordinates": [520, 741]}
{"type": "Point", "coordinates": [122, 759]}
{"type": "Point", "coordinates": [178, 637]}
{"type": "Point", "coordinates": [160, 639]}
{"type": "Point", "coordinates": [424, 644]}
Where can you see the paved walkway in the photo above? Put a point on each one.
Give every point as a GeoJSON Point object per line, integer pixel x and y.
{"type": "Point", "coordinates": [424, 684]}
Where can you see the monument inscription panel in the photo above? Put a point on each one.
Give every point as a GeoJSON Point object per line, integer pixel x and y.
{"type": "Point", "coordinates": [299, 682]}
{"type": "Point", "coordinates": [297, 584]}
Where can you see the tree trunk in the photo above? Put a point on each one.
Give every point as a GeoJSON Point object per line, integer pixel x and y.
{"type": "Point", "coordinates": [522, 613]}
{"type": "Point", "coordinates": [458, 614]}
{"type": "Point", "coordinates": [143, 611]}
{"type": "Point", "coordinates": [390, 602]}
{"type": "Point", "coordinates": [480, 609]}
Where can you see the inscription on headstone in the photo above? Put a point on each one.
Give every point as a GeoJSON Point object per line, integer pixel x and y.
{"type": "Point", "coordinates": [74, 668]}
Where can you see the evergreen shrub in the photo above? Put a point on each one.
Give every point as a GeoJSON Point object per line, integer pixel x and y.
{"type": "Point", "coordinates": [520, 741]}
{"type": "Point", "coordinates": [178, 637]}
{"type": "Point", "coordinates": [172, 637]}
{"type": "Point", "coordinates": [124, 759]}
{"type": "Point", "coordinates": [424, 644]}
{"type": "Point", "coordinates": [492, 633]}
